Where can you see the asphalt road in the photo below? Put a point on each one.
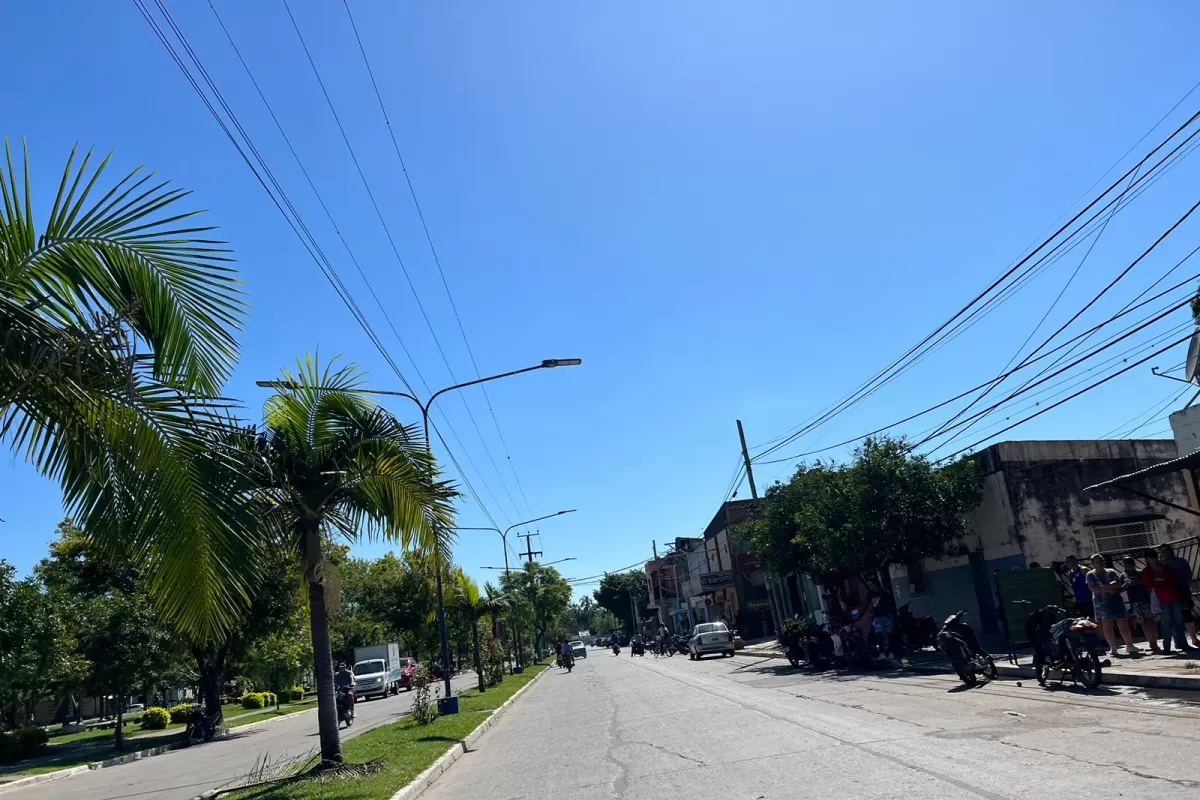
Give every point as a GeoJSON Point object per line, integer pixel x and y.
{"type": "Point", "coordinates": [183, 774]}
{"type": "Point", "coordinates": [670, 729]}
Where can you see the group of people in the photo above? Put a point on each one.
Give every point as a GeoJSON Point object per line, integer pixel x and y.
{"type": "Point", "coordinates": [1157, 598]}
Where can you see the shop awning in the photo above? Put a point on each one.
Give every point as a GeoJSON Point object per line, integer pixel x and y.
{"type": "Point", "coordinates": [1122, 482]}
{"type": "Point", "coordinates": [1174, 465]}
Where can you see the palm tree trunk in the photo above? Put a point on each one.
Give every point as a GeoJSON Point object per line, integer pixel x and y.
{"type": "Point", "coordinates": [318, 623]}
{"type": "Point", "coordinates": [478, 663]}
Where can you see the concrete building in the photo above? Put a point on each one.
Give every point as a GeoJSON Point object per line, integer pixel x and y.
{"type": "Point", "coordinates": [734, 589]}
{"type": "Point", "coordinates": [1035, 510]}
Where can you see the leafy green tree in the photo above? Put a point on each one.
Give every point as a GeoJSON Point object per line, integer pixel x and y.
{"type": "Point", "coordinates": [541, 597]}
{"type": "Point", "coordinates": [888, 506]}
{"type": "Point", "coordinates": [129, 647]}
{"type": "Point", "coordinates": [38, 653]}
{"type": "Point", "coordinates": [474, 605]}
{"type": "Point", "coordinates": [116, 329]}
{"type": "Point", "coordinates": [334, 463]}
{"type": "Point", "coordinates": [619, 592]}
{"type": "Point", "coordinates": [275, 662]}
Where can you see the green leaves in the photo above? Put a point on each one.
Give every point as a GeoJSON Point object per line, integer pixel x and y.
{"type": "Point", "coordinates": [888, 506]}
{"type": "Point", "coordinates": [337, 458]}
{"type": "Point", "coordinates": [116, 332]}
{"type": "Point", "coordinates": [127, 253]}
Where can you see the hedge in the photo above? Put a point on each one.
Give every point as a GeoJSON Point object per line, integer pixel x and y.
{"type": "Point", "coordinates": [181, 713]}
{"type": "Point", "coordinates": [155, 718]}
{"type": "Point", "coordinates": [22, 743]}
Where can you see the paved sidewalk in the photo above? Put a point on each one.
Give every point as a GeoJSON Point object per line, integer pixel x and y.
{"type": "Point", "coordinates": [1150, 671]}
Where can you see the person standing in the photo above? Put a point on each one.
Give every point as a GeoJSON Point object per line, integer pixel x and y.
{"type": "Point", "coordinates": [1106, 586]}
{"type": "Point", "coordinates": [1140, 609]}
{"type": "Point", "coordinates": [1163, 581]}
{"type": "Point", "coordinates": [1183, 578]}
{"type": "Point", "coordinates": [1076, 579]}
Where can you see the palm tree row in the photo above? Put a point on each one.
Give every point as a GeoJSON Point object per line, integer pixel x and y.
{"type": "Point", "coordinates": [117, 332]}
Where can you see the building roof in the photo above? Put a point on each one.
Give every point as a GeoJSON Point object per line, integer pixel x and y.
{"type": "Point", "coordinates": [1183, 462]}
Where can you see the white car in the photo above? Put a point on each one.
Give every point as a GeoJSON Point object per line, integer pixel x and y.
{"type": "Point", "coordinates": [578, 649]}
{"type": "Point", "coordinates": [710, 637]}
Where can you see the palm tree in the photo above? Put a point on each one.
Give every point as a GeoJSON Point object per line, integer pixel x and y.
{"type": "Point", "coordinates": [474, 605]}
{"type": "Point", "coordinates": [335, 463]}
{"type": "Point", "coordinates": [117, 321]}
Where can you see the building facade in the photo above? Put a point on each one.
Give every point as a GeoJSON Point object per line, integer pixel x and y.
{"type": "Point", "coordinates": [1035, 511]}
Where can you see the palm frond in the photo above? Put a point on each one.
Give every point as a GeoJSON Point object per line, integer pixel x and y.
{"type": "Point", "coordinates": [340, 458]}
{"type": "Point", "coordinates": [127, 253]}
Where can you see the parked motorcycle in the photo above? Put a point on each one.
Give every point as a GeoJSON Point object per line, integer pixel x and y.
{"type": "Point", "coordinates": [201, 727]}
{"type": "Point", "coordinates": [917, 632]}
{"type": "Point", "coordinates": [792, 640]}
{"type": "Point", "coordinates": [817, 644]}
{"type": "Point", "coordinates": [681, 644]}
{"type": "Point", "coordinates": [1069, 646]}
{"type": "Point", "coordinates": [345, 706]}
{"type": "Point", "coordinates": [958, 641]}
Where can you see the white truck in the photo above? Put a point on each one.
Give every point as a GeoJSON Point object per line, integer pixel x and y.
{"type": "Point", "coordinates": [376, 671]}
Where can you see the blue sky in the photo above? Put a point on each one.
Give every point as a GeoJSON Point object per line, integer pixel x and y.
{"type": "Point", "coordinates": [727, 210]}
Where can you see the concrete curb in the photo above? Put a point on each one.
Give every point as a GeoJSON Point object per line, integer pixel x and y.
{"type": "Point", "coordinates": [125, 758]}
{"type": "Point", "coordinates": [1175, 682]}
{"type": "Point", "coordinates": [422, 782]}
{"type": "Point", "coordinates": [33, 780]}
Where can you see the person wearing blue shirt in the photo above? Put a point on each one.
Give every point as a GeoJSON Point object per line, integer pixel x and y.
{"type": "Point", "coordinates": [1076, 579]}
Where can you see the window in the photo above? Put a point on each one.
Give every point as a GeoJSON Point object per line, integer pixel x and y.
{"type": "Point", "coordinates": [1126, 538]}
{"type": "Point", "coordinates": [916, 578]}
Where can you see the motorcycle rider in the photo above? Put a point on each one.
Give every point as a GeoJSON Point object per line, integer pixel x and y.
{"type": "Point", "coordinates": [614, 640]}
{"type": "Point", "coordinates": [664, 639]}
{"type": "Point", "coordinates": [568, 653]}
{"type": "Point", "coordinates": [343, 685]}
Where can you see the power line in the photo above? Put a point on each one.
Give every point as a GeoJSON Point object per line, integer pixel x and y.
{"type": "Point", "coordinates": [1129, 308]}
{"type": "Point", "coordinates": [1104, 380]}
{"type": "Point", "coordinates": [392, 242]}
{"type": "Point", "coordinates": [433, 250]}
{"type": "Point", "coordinates": [278, 197]}
{"type": "Point", "coordinates": [888, 373]}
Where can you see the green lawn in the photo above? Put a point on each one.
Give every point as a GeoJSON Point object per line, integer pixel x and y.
{"type": "Point", "coordinates": [71, 750]}
{"type": "Point", "coordinates": [405, 749]}
{"type": "Point", "coordinates": [75, 756]}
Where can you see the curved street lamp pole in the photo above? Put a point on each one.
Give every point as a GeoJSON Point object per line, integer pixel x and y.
{"type": "Point", "coordinates": [504, 540]}
{"type": "Point", "coordinates": [548, 363]}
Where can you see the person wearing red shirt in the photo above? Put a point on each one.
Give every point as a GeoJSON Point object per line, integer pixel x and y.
{"type": "Point", "coordinates": [1161, 579]}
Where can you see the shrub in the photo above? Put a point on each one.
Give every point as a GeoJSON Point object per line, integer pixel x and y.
{"type": "Point", "coordinates": [424, 709]}
{"type": "Point", "coordinates": [269, 699]}
{"type": "Point", "coordinates": [155, 718]}
{"type": "Point", "coordinates": [295, 694]}
{"type": "Point", "coordinates": [22, 743]}
{"type": "Point", "coordinates": [181, 713]}
{"type": "Point", "coordinates": [493, 661]}
{"type": "Point", "coordinates": [252, 700]}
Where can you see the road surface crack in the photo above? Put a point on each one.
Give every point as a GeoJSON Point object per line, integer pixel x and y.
{"type": "Point", "coordinates": [670, 752]}
{"type": "Point", "coordinates": [1183, 782]}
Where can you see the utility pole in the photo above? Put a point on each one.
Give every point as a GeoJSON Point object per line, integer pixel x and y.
{"type": "Point", "coordinates": [529, 551]}
{"type": "Point", "coordinates": [658, 569]}
{"type": "Point", "coordinates": [529, 554]}
{"type": "Point", "coordinates": [776, 613]}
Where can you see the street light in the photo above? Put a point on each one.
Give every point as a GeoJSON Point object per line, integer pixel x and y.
{"type": "Point", "coordinates": [548, 363]}
{"type": "Point", "coordinates": [504, 533]}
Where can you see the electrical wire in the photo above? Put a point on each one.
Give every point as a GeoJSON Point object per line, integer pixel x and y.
{"type": "Point", "coordinates": [1130, 308]}
{"type": "Point", "coordinates": [395, 249]}
{"type": "Point", "coordinates": [885, 375]}
{"type": "Point", "coordinates": [259, 168]}
{"type": "Point", "coordinates": [433, 250]}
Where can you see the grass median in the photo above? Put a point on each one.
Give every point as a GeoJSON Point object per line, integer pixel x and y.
{"type": "Point", "coordinates": [404, 749]}
{"type": "Point", "coordinates": [72, 750]}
